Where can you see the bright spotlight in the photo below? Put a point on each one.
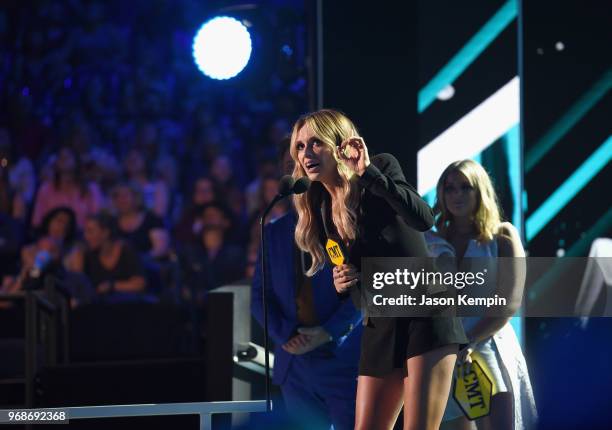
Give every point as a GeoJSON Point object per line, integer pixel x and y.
{"type": "Point", "coordinates": [222, 47]}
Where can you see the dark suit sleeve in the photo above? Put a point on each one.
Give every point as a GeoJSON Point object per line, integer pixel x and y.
{"type": "Point", "coordinates": [341, 322]}
{"type": "Point", "coordinates": [384, 178]}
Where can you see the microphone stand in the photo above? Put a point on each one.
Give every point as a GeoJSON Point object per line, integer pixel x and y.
{"type": "Point", "coordinates": [264, 277]}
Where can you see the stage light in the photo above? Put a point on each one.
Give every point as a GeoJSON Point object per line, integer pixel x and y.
{"type": "Point", "coordinates": [222, 47]}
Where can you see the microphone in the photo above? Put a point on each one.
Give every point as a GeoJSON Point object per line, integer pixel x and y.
{"type": "Point", "coordinates": [286, 185]}
{"type": "Point", "coordinates": [301, 185]}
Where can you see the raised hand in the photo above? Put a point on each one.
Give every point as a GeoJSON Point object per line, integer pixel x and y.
{"type": "Point", "coordinates": [354, 153]}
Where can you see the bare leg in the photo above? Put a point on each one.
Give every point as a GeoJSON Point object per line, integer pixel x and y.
{"type": "Point", "coordinates": [427, 386]}
{"type": "Point", "coordinates": [502, 414]}
{"type": "Point", "coordinates": [379, 401]}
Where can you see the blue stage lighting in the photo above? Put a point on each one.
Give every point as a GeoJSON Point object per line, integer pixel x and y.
{"type": "Point", "coordinates": [222, 47]}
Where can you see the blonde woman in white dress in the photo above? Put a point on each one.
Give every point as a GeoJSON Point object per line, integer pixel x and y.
{"type": "Point", "coordinates": [469, 225]}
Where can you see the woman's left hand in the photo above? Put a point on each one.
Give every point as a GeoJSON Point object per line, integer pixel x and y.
{"type": "Point", "coordinates": [354, 153]}
{"type": "Point", "coordinates": [464, 360]}
{"type": "Point", "coordinates": [345, 276]}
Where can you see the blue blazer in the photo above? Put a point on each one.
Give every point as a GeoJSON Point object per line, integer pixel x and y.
{"type": "Point", "coordinates": [339, 317]}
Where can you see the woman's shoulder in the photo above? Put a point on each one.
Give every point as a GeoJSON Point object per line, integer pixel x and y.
{"type": "Point", "coordinates": [508, 239]}
{"type": "Point", "coordinates": [384, 160]}
{"type": "Point", "coordinates": [506, 228]}
{"type": "Point", "coordinates": [507, 232]}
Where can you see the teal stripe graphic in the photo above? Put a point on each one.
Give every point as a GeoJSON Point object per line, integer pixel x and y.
{"type": "Point", "coordinates": [551, 207]}
{"type": "Point", "coordinates": [466, 56]}
{"type": "Point", "coordinates": [568, 120]}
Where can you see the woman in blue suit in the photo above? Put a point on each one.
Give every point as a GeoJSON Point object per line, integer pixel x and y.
{"type": "Point", "coordinates": [316, 334]}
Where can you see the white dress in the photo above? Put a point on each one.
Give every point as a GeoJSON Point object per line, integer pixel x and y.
{"type": "Point", "coordinates": [502, 352]}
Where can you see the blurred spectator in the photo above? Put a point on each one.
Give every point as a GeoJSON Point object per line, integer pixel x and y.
{"type": "Point", "coordinates": [166, 170]}
{"type": "Point", "coordinates": [268, 189]}
{"type": "Point", "coordinates": [103, 169]}
{"type": "Point", "coordinates": [277, 131]}
{"type": "Point", "coordinates": [67, 188]}
{"type": "Point", "coordinates": [111, 264]}
{"type": "Point", "coordinates": [54, 246]}
{"type": "Point", "coordinates": [222, 172]}
{"type": "Point", "coordinates": [266, 193]}
{"type": "Point", "coordinates": [190, 223]}
{"type": "Point", "coordinates": [212, 261]}
{"type": "Point", "coordinates": [60, 225]}
{"type": "Point", "coordinates": [284, 156]}
{"type": "Point", "coordinates": [45, 252]}
{"type": "Point", "coordinates": [140, 227]}
{"type": "Point", "coordinates": [266, 168]}
{"type": "Point", "coordinates": [154, 191]}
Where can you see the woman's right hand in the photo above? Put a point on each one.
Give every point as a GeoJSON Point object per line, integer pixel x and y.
{"type": "Point", "coordinates": [345, 276]}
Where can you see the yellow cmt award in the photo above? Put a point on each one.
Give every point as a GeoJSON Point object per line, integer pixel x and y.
{"type": "Point", "coordinates": [334, 252]}
{"type": "Point", "coordinates": [473, 391]}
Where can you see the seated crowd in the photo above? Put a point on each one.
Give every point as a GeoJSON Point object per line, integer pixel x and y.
{"type": "Point", "coordinates": [131, 239]}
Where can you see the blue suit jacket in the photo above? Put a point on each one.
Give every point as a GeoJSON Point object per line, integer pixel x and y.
{"type": "Point", "coordinates": [339, 317]}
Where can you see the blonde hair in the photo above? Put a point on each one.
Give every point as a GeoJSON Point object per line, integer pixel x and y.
{"type": "Point", "coordinates": [332, 128]}
{"type": "Point", "coordinates": [487, 217]}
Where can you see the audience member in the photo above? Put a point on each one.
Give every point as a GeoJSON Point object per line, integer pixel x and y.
{"type": "Point", "coordinates": [154, 191]}
{"type": "Point", "coordinates": [190, 222]}
{"type": "Point", "coordinates": [110, 263]}
{"type": "Point", "coordinates": [66, 188]}
{"type": "Point", "coordinates": [53, 249]}
{"type": "Point", "coordinates": [213, 260]}
{"type": "Point", "coordinates": [136, 224]}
